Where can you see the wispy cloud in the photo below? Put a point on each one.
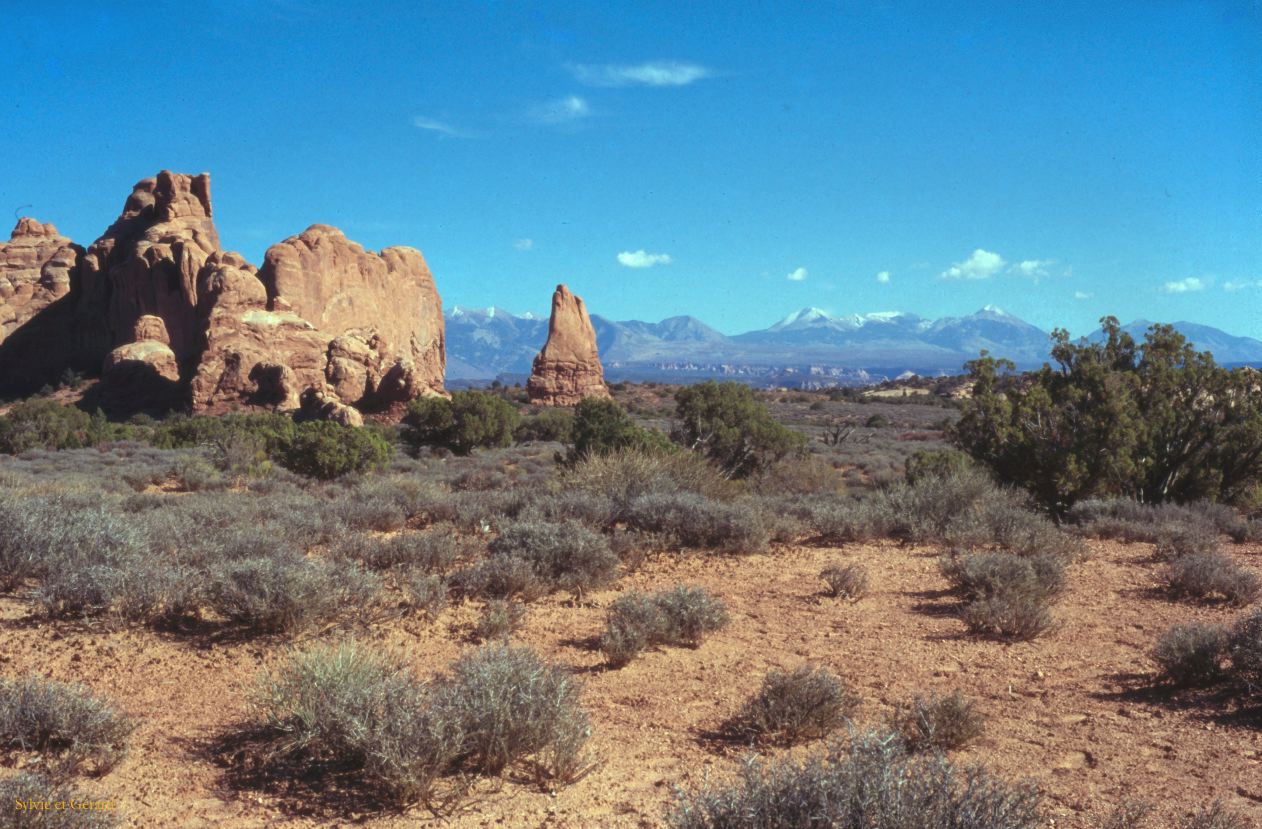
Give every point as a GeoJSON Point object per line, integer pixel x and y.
{"type": "Point", "coordinates": [1033, 268]}
{"type": "Point", "coordinates": [1083, 295]}
{"type": "Point", "coordinates": [642, 259]}
{"type": "Point", "coordinates": [797, 275]}
{"type": "Point", "coordinates": [524, 244]}
{"type": "Point", "coordinates": [565, 110]}
{"type": "Point", "coordinates": [422, 122]}
{"type": "Point", "coordinates": [653, 73]}
{"type": "Point", "coordinates": [982, 264]}
{"type": "Point", "coordinates": [1185, 286]}
{"type": "Point", "coordinates": [883, 277]}
{"type": "Point", "coordinates": [1236, 287]}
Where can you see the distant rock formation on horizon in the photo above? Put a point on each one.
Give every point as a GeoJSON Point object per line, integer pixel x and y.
{"type": "Point", "coordinates": [171, 319]}
{"type": "Point", "coordinates": [568, 368]}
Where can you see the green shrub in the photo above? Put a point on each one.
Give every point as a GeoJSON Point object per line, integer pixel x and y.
{"type": "Point", "coordinates": [679, 616]}
{"type": "Point", "coordinates": [845, 580]}
{"type": "Point", "coordinates": [470, 420]}
{"type": "Point", "coordinates": [877, 421]}
{"type": "Point", "coordinates": [72, 729]}
{"type": "Point", "coordinates": [1212, 575]}
{"type": "Point", "coordinates": [793, 707]}
{"type": "Point", "coordinates": [868, 781]}
{"type": "Point", "coordinates": [46, 424]}
{"type": "Point", "coordinates": [938, 722]}
{"type": "Point", "coordinates": [936, 463]}
{"type": "Point", "coordinates": [555, 425]}
{"type": "Point", "coordinates": [28, 788]}
{"type": "Point", "coordinates": [323, 449]}
{"type": "Point", "coordinates": [728, 424]}
{"type": "Point", "coordinates": [602, 426]}
{"type": "Point", "coordinates": [1191, 654]}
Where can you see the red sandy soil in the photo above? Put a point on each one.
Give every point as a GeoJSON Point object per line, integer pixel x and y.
{"type": "Point", "coordinates": [1072, 711]}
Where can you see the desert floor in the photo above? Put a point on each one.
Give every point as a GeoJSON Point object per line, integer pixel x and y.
{"type": "Point", "coordinates": [1075, 711]}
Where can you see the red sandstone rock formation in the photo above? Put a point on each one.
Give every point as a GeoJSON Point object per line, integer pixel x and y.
{"type": "Point", "coordinates": [148, 261]}
{"type": "Point", "coordinates": [38, 267]}
{"type": "Point", "coordinates": [568, 368]}
{"type": "Point", "coordinates": [142, 374]}
{"type": "Point", "coordinates": [159, 307]}
{"type": "Point", "coordinates": [383, 308]}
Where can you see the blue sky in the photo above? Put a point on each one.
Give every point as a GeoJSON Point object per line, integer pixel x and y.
{"type": "Point", "coordinates": [735, 161]}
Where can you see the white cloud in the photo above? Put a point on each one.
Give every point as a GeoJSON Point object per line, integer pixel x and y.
{"type": "Point", "coordinates": [1236, 287]}
{"type": "Point", "coordinates": [1082, 295]}
{"type": "Point", "coordinates": [561, 111]}
{"type": "Point", "coordinates": [982, 264]}
{"type": "Point", "coordinates": [642, 259]}
{"type": "Point", "coordinates": [1184, 286]}
{"type": "Point", "coordinates": [1033, 268]}
{"type": "Point", "coordinates": [797, 275]}
{"type": "Point", "coordinates": [883, 277]}
{"type": "Point", "coordinates": [653, 73]}
{"type": "Point", "coordinates": [441, 127]}
{"type": "Point", "coordinates": [524, 244]}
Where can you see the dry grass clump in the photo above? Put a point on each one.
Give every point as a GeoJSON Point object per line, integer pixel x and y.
{"type": "Point", "coordinates": [1193, 527]}
{"type": "Point", "coordinates": [938, 722]}
{"type": "Point", "coordinates": [531, 558]}
{"type": "Point", "coordinates": [499, 620]}
{"type": "Point", "coordinates": [680, 616]}
{"type": "Point", "coordinates": [1191, 654]}
{"type": "Point", "coordinates": [71, 729]}
{"type": "Point", "coordinates": [693, 520]}
{"type": "Point", "coordinates": [362, 714]}
{"type": "Point", "coordinates": [1205, 576]}
{"type": "Point", "coordinates": [845, 580]}
{"type": "Point", "coordinates": [794, 707]}
{"type": "Point", "coordinates": [868, 781]}
{"type": "Point", "coordinates": [1244, 650]}
{"type": "Point", "coordinates": [1006, 595]}
{"type": "Point", "coordinates": [287, 593]}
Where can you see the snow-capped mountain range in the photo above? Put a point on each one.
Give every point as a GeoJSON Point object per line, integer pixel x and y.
{"type": "Point", "coordinates": [808, 347]}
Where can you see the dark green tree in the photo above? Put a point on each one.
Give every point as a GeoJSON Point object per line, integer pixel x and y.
{"type": "Point", "coordinates": [1155, 421]}
{"type": "Point", "coordinates": [602, 426]}
{"type": "Point", "coordinates": [326, 450]}
{"type": "Point", "coordinates": [728, 424]}
{"type": "Point", "coordinates": [470, 420]}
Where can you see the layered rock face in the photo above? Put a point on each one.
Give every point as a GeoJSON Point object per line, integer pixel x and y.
{"type": "Point", "coordinates": [147, 262]}
{"type": "Point", "coordinates": [390, 348]}
{"type": "Point", "coordinates": [37, 268]}
{"type": "Point", "coordinates": [144, 372]}
{"type": "Point", "coordinates": [168, 316]}
{"type": "Point", "coordinates": [568, 368]}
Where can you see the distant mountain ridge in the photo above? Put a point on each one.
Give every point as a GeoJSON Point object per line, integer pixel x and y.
{"type": "Point", "coordinates": [809, 347]}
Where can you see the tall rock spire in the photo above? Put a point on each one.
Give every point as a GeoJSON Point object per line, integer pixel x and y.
{"type": "Point", "coordinates": [568, 368]}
